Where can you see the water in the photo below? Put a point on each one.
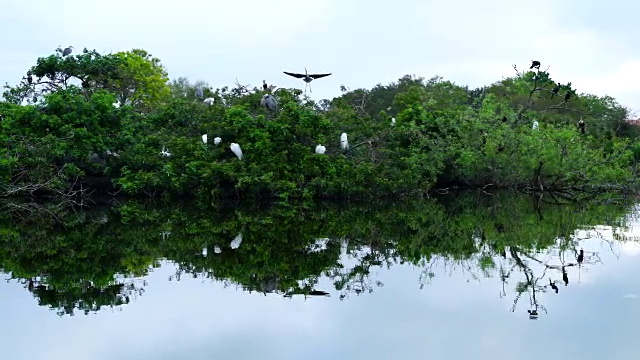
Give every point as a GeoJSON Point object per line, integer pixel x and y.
{"type": "Point", "coordinates": [422, 280]}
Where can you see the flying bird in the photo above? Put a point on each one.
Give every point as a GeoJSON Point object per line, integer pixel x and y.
{"type": "Point", "coordinates": [306, 77]}
{"type": "Point", "coordinates": [217, 141]}
{"type": "Point", "coordinates": [344, 142]}
{"type": "Point", "coordinates": [67, 51]}
{"type": "Point", "coordinates": [235, 148]}
{"type": "Point", "coordinates": [320, 149]}
{"type": "Point", "coordinates": [270, 102]}
{"type": "Point", "coordinates": [209, 101]}
{"type": "Point", "coordinates": [535, 64]}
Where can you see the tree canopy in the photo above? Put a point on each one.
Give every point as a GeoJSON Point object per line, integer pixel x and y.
{"type": "Point", "coordinates": [99, 122]}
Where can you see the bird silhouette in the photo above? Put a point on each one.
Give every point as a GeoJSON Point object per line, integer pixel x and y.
{"type": "Point", "coordinates": [306, 77]}
{"type": "Point", "coordinates": [553, 285]}
{"type": "Point", "coordinates": [555, 90]}
{"type": "Point", "coordinates": [567, 96]}
{"type": "Point", "coordinates": [535, 64]}
{"type": "Point", "coordinates": [565, 277]}
{"type": "Point", "coordinates": [581, 126]}
{"type": "Point", "coordinates": [580, 257]}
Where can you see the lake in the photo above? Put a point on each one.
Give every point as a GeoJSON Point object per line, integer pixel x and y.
{"type": "Point", "coordinates": [465, 276]}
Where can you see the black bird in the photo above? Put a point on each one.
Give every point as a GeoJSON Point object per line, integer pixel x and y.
{"type": "Point", "coordinates": [504, 119]}
{"type": "Point", "coordinates": [307, 77]}
{"type": "Point", "coordinates": [565, 277]}
{"type": "Point", "coordinates": [533, 314]}
{"type": "Point", "coordinates": [555, 90]}
{"type": "Point", "coordinates": [264, 85]}
{"type": "Point", "coordinates": [567, 96]}
{"type": "Point", "coordinates": [553, 285]}
{"type": "Point", "coordinates": [29, 79]}
{"type": "Point", "coordinates": [535, 64]}
{"type": "Point", "coordinates": [581, 255]}
{"type": "Point", "coordinates": [581, 126]}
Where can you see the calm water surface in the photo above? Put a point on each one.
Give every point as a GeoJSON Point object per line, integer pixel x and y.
{"type": "Point", "coordinates": [446, 279]}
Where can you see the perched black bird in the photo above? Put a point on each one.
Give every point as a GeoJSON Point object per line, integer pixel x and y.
{"type": "Point", "coordinates": [581, 126]}
{"type": "Point", "coordinates": [535, 64]}
{"type": "Point", "coordinates": [567, 96]}
{"type": "Point", "coordinates": [504, 119]}
{"type": "Point", "coordinates": [533, 314]}
{"type": "Point", "coordinates": [553, 285]}
{"type": "Point", "coordinates": [264, 85]}
{"type": "Point", "coordinates": [555, 90]}
{"type": "Point", "coordinates": [581, 254]}
{"type": "Point", "coordinates": [29, 79]}
{"type": "Point", "coordinates": [565, 277]}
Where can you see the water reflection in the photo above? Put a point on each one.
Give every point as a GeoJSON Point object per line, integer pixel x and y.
{"type": "Point", "coordinates": [292, 265]}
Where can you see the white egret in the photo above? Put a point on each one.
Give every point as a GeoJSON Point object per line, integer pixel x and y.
{"type": "Point", "coordinates": [204, 252]}
{"type": "Point", "coordinates": [217, 250]}
{"type": "Point", "coordinates": [209, 101]}
{"type": "Point", "coordinates": [235, 243]}
{"type": "Point", "coordinates": [535, 124]}
{"type": "Point", "coordinates": [235, 148]}
{"type": "Point", "coordinates": [217, 141]}
{"type": "Point", "coordinates": [320, 149]}
{"type": "Point", "coordinates": [393, 121]}
{"type": "Point", "coordinates": [165, 151]}
{"type": "Point", "coordinates": [344, 142]}
{"type": "Point", "coordinates": [204, 138]}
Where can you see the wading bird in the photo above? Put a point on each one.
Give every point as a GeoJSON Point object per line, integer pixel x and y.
{"type": "Point", "coordinates": [344, 142]}
{"type": "Point", "coordinates": [393, 121]}
{"type": "Point", "coordinates": [199, 92]}
{"type": "Point", "coordinates": [209, 101]}
{"type": "Point", "coordinates": [535, 125]}
{"type": "Point", "coordinates": [235, 148]}
{"type": "Point", "coordinates": [581, 126]}
{"type": "Point", "coordinates": [67, 51]}
{"type": "Point", "coordinates": [217, 141]}
{"type": "Point", "coordinates": [555, 90]}
{"type": "Point", "coordinates": [204, 138]}
{"type": "Point", "coordinates": [307, 78]}
{"type": "Point", "coordinates": [270, 102]}
{"type": "Point", "coordinates": [165, 151]}
{"type": "Point", "coordinates": [320, 149]}
{"type": "Point", "coordinates": [235, 243]}
{"type": "Point", "coordinates": [535, 64]}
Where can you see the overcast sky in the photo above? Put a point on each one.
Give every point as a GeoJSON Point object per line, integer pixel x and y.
{"type": "Point", "coordinates": [588, 42]}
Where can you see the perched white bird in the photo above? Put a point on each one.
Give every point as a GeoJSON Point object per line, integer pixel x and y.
{"type": "Point", "coordinates": [204, 138]}
{"type": "Point", "coordinates": [235, 148]}
{"type": "Point", "coordinates": [535, 124]}
{"type": "Point", "coordinates": [235, 243]}
{"type": "Point", "coordinates": [217, 250]}
{"type": "Point", "coordinates": [393, 121]}
{"type": "Point", "coordinates": [209, 101]}
{"type": "Point", "coordinates": [320, 149]}
{"type": "Point", "coordinates": [204, 252]}
{"type": "Point", "coordinates": [217, 140]}
{"type": "Point", "coordinates": [344, 142]}
{"type": "Point", "coordinates": [165, 151]}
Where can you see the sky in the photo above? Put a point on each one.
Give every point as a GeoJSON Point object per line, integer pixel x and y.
{"type": "Point", "coordinates": [454, 317]}
{"type": "Point", "coordinates": [362, 43]}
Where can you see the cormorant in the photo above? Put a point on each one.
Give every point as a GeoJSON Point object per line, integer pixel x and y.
{"type": "Point", "coordinates": [535, 64]}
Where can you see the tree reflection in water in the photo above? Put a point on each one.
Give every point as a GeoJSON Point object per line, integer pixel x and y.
{"type": "Point", "coordinates": [87, 260]}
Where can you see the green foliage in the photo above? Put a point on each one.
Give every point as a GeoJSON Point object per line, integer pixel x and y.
{"type": "Point", "coordinates": [87, 260]}
{"type": "Point", "coordinates": [444, 135]}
